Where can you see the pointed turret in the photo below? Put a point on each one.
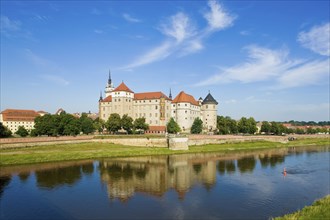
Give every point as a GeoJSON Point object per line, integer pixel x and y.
{"type": "Point", "coordinates": [101, 98]}
{"type": "Point", "coordinates": [109, 80]}
{"type": "Point", "coordinates": [209, 100]}
{"type": "Point", "coordinates": [170, 95]}
{"type": "Point", "coordinates": [109, 88]}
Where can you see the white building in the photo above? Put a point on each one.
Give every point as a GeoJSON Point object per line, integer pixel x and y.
{"type": "Point", "coordinates": [13, 118]}
{"type": "Point", "coordinates": [157, 108]}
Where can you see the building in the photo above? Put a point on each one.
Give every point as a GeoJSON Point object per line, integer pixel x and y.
{"type": "Point", "coordinates": [157, 108]}
{"type": "Point", "coordinates": [13, 118]}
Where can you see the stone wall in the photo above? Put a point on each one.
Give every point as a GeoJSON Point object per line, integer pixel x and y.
{"type": "Point", "coordinates": [140, 142]}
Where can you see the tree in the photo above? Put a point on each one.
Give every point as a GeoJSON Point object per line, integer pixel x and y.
{"type": "Point", "coordinates": [46, 125]}
{"type": "Point", "coordinates": [86, 123]}
{"type": "Point", "coordinates": [197, 126]}
{"type": "Point", "coordinates": [222, 125]}
{"type": "Point", "coordinates": [247, 126]}
{"type": "Point", "coordinates": [21, 131]}
{"type": "Point", "coordinates": [99, 124]}
{"type": "Point", "coordinates": [127, 123]}
{"type": "Point", "coordinates": [4, 131]}
{"type": "Point", "coordinates": [114, 123]}
{"type": "Point", "coordinates": [265, 127]}
{"type": "Point", "coordinates": [140, 124]}
{"type": "Point", "coordinates": [172, 127]}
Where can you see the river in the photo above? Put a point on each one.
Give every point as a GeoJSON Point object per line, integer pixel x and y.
{"type": "Point", "coordinates": [240, 185]}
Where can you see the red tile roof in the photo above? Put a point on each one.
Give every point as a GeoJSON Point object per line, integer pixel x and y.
{"type": "Point", "coordinates": [157, 128]}
{"type": "Point", "coordinates": [183, 97]}
{"type": "Point", "coordinates": [19, 115]}
{"type": "Point", "coordinates": [122, 88]}
{"type": "Point", "coordinates": [150, 95]}
{"type": "Point", "coordinates": [107, 99]}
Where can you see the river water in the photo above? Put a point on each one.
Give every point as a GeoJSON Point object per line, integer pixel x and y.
{"type": "Point", "coordinates": [242, 185]}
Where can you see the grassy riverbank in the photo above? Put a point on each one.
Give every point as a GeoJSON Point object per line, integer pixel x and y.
{"type": "Point", "coordinates": [320, 209]}
{"type": "Point", "coordinates": [63, 152]}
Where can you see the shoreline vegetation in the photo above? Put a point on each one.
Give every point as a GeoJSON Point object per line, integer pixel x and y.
{"type": "Point", "coordinates": [94, 150]}
{"type": "Point", "coordinates": [320, 209]}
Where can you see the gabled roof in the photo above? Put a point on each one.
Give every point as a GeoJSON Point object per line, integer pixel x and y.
{"type": "Point", "coordinates": [150, 95]}
{"type": "Point", "coordinates": [107, 99]}
{"type": "Point", "coordinates": [19, 115]}
{"type": "Point", "coordinates": [209, 100]}
{"type": "Point", "coordinates": [122, 88]}
{"type": "Point", "coordinates": [183, 97]}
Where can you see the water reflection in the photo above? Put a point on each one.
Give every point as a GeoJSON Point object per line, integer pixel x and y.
{"type": "Point", "coordinates": [4, 181]}
{"type": "Point", "coordinates": [154, 175]}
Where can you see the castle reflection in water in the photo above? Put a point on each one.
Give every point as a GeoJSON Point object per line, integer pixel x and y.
{"type": "Point", "coordinates": [151, 175]}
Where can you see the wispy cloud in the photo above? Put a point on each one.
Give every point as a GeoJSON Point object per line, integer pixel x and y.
{"type": "Point", "coordinates": [182, 36]}
{"type": "Point", "coordinates": [8, 27]}
{"type": "Point", "coordinates": [53, 71]}
{"type": "Point", "coordinates": [98, 31]}
{"type": "Point", "coordinates": [218, 18]}
{"type": "Point", "coordinates": [316, 39]}
{"type": "Point", "coordinates": [264, 64]}
{"type": "Point", "coordinates": [129, 18]}
{"type": "Point", "coordinates": [96, 11]}
{"type": "Point", "coordinates": [41, 18]}
{"type": "Point", "coordinates": [55, 79]}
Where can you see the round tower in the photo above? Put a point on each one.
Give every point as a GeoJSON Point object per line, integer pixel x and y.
{"type": "Point", "coordinates": [209, 113]}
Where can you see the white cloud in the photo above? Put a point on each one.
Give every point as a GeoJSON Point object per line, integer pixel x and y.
{"type": "Point", "coordinates": [156, 54]}
{"type": "Point", "coordinates": [231, 101]}
{"type": "Point", "coordinates": [42, 65]}
{"type": "Point", "coordinates": [218, 18]}
{"type": "Point", "coordinates": [8, 26]}
{"type": "Point", "coordinates": [264, 64]}
{"type": "Point", "coordinates": [129, 18]}
{"type": "Point", "coordinates": [187, 39]}
{"type": "Point", "coordinates": [316, 39]}
{"type": "Point", "coordinates": [55, 79]}
{"type": "Point", "coordinates": [98, 31]}
{"type": "Point", "coordinates": [179, 27]}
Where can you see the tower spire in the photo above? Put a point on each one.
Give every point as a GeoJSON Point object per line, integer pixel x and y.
{"type": "Point", "coordinates": [101, 98]}
{"type": "Point", "coordinates": [109, 80]}
{"type": "Point", "coordinates": [170, 96]}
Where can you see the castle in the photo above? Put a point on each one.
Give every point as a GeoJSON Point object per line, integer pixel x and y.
{"type": "Point", "coordinates": [157, 108]}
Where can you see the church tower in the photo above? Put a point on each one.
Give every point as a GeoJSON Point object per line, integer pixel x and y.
{"type": "Point", "coordinates": [109, 88]}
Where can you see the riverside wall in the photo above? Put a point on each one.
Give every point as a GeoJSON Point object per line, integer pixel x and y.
{"type": "Point", "coordinates": [193, 140]}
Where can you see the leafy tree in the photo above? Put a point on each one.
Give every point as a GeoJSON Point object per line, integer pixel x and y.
{"type": "Point", "coordinates": [172, 127]}
{"type": "Point", "coordinates": [86, 123]}
{"type": "Point", "coordinates": [114, 123]}
{"type": "Point", "coordinates": [21, 131]}
{"type": "Point", "coordinates": [197, 126]}
{"type": "Point", "coordinates": [265, 127]}
{"type": "Point", "coordinates": [243, 125]}
{"type": "Point", "coordinates": [99, 124]}
{"type": "Point", "coordinates": [140, 124]}
{"type": "Point", "coordinates": [226, 125]}
{"type": "Point", "coordinates": [46, 125]}
{"type": "Point", "coordinates": [4, 131]}
{"type": "Point", "coordinates": [127, 123]}
{"type": "Point", "coordinates": [247, 126]}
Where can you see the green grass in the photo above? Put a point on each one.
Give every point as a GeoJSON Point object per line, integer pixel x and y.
{"type": "Point", "coordinates": [320, 209]}
{"type": "Point", "coordinates": [63, 152]}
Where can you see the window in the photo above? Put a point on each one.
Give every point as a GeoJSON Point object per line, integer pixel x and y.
{"type": "Point", "coordinates": [185, 111]}
{"type": "Point", "coordinates": [207, 106]}
{"type": "Point", "coordinates": [103, 108]}
{"type": "Point", "coordinates": [156, 114]}
{"type": "Point", "coordinates": [178, 104]}
{"type": "Point", "coordinates": [150, 122]}
{"type": "Point", "coordinates": [173, 105]}
{"type": "Point", "coordinates": [118, 100]}
{"type": "Point", "coordinates": [150, 115]}
{"type": "Point", "coordinates": [185, 104]}
{"type": "Point", "coordinates": [156, 107]}
{"type": "Point", "coordinates": [173, 111]}
{"type": "Point", "coordinates": [144, 101]}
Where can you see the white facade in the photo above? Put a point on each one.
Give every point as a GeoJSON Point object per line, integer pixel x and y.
{"type": "Point", "coordinates": [157, 108]}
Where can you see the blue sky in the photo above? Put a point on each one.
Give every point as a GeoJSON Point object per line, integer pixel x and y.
{"type": "Point", "coordinates": [265, 59]}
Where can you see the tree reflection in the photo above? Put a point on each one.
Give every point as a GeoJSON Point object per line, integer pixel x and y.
{"type": "Point", "coordinates": [58, 177]}
{"type": "Point", "coordinates": [246, 164]}
{"type": "Point", "coordinates": [4, 181]}
{"type": "Point", "coordinates": [87, 169]}
{"type": "Point", "coordinates": [197, 168]}
{"type": "Point", "coordinates": [226, 166]}
{"type": "Point", "coordinates": [271, 160]}
{"type": "Point", "coordinates": [23, 176]}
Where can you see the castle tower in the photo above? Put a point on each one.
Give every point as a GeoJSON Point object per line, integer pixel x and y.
{"type": "Point", "coordinates": [209, 113]}
{"type": "Point", "coordinates": [109, 88]}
